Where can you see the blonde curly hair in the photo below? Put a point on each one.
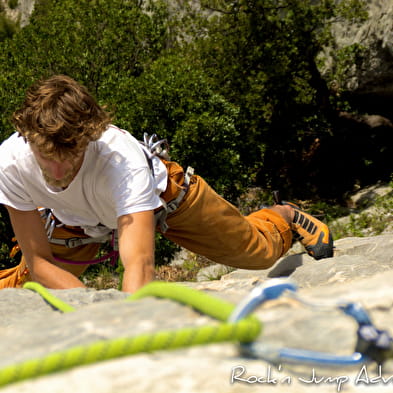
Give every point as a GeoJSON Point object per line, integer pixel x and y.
{"type": "Point", "coordinates": [59, 116]}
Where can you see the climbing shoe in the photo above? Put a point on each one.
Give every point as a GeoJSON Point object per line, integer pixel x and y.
{"type": "Point", "coordinates": [313, 234]}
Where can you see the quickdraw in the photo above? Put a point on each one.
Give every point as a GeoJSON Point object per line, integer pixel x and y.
{"type": "Point", "coordinates": [372, 344]}
{"type": "Point", "coordinates": [155, 147]}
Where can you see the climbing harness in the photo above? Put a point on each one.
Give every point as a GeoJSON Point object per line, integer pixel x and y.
{"type": "Point", "coordinates": [154, 147]}
{"type": "Point", "coordinates": [245, 330]}
{"type": "Point", "coordinates": [51, 223]}
{"type": "Point", "coordinates": [372, 344]}
{"type": "Point", "coordinates": [169, 207]}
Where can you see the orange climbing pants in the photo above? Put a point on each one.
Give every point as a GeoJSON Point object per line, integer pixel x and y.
{"type": "Point", "coordinates": [204, 223]}
{"type": "Point", "coordinates": [14, 277]}
{"type": "Point", "coordinates": [208, 225]}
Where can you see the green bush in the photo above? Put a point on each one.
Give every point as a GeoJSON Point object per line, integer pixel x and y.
{"type": "Point", "coordinates": [6, 243]}
{"type": "Point", "coordinates": [12, 4]}
{"type": "Point", "coordinates": [370, 221]}
{"type": "Point", "coordinates": [174, 100]}
{"type": "Point", "coordinates": [7, 27]}
{"type": "Point", "coordinates": [94, 43]}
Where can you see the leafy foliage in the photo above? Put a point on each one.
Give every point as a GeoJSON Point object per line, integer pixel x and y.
{"type": "Point", "coordinates": [94, 43]}
{"type": "Point", "coordinates": [7, 26]}
{"type": "Point", "coordinates": [12, 4]}
{"type": "Point", "coordinates": [6, 242]}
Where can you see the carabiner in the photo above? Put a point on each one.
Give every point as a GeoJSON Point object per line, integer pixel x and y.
{"type": "Point", "coordinates": [269, 290]}
{"type": "Point", "coordinates": [273, 289]}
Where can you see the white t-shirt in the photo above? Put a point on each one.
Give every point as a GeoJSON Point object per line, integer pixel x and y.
{"type": "Point", "coordinates": [115, 179]}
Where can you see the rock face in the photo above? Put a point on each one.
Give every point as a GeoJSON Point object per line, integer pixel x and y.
{"type": "Point", "coordinates": [375, 73]}
{"type": "Point", "coordinates": [361, 271]}
{"type": "Point", "coordinates": [369, 82]}
{"type": "Point", "coordinates": [21, 12]}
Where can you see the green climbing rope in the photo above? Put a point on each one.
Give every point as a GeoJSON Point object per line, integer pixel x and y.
{"type": "Point", "coordinates": [243, 331]}
{"type": "Point", "coordinates": [204, 303]}
{"type": "Point", "coordinates": [48, 297]}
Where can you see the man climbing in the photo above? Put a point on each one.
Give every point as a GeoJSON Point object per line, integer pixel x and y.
{"type": "Point", "coordinates": [93, 178]}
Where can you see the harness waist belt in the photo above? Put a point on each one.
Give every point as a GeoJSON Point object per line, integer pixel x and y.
{"type": "Point", "coordinates": [80, 241]}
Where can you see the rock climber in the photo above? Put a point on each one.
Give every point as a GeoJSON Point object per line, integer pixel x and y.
{"type": "Point", "coordinates": [70, 179]}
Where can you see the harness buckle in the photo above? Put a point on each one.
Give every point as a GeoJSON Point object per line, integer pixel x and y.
{"type": "Point", "coordinates": [171, 206]}
{"type": "Point", "coordinates": [73, 242]}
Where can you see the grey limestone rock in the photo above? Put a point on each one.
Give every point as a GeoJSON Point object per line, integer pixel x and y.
{"type": "Point", "coordinates": [374, 74]}
{"type": "Point", "coordinates": [361, 272]}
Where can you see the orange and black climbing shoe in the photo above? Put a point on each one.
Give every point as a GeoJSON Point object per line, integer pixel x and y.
{"type": "Point", "coordinates": [312, 233]}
